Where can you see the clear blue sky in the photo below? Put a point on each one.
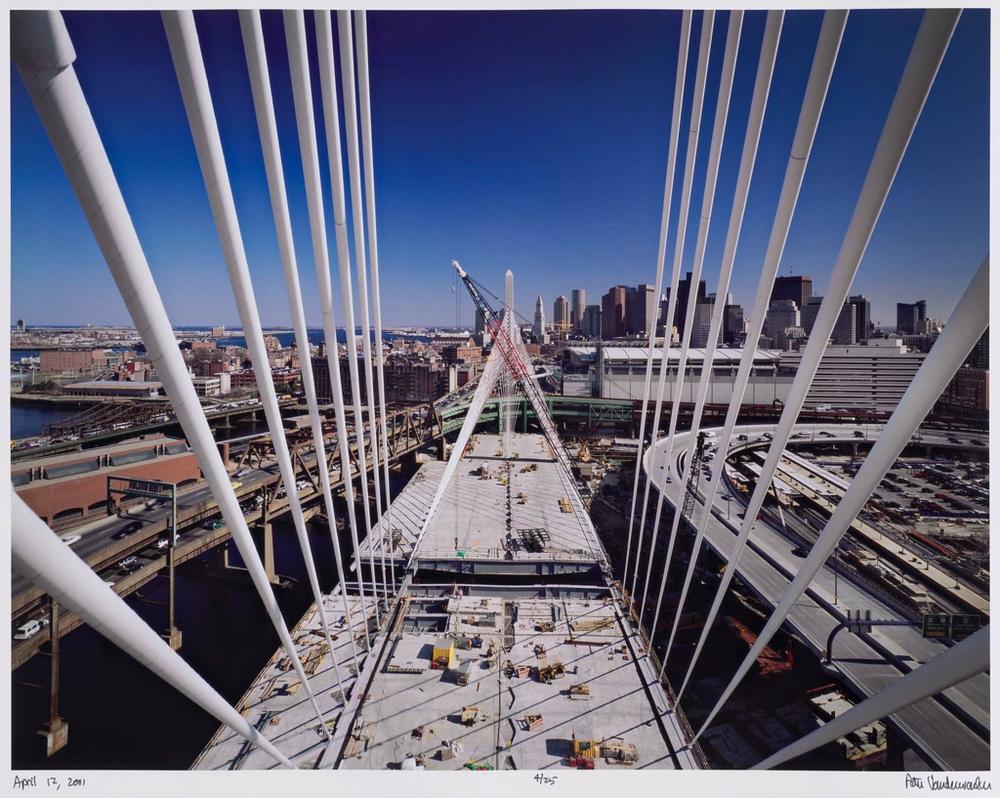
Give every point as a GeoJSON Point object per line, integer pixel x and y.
{"type": "Point", "coordinates": [530, 140]}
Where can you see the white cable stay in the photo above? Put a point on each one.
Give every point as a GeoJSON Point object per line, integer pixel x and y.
{"type": "Point", "coordinates": [697, 107]}
{"type": "Point", "coordinates": [331, 124]}
{"type": "Point", "coordinates": [44, 55]}
{"type": "Point", "coordinates": [40, 556]}
{"type": "Point", "coordinates": [346, 42]}
{"type": "Point", "coordinates": [668, 191]}
{"type": "Point", "coordinates": [967, 324]}
{"type": "Point", "coordinates": [185, 50]}
{"type": "Point", "coordinates": [758, 106]}
{"type": "Point", "coordinates": [960, 662]}
{"type": "Point", "coordinates": [260, 84]}
{"type": "Point", "coordinates": [820, 73]}
{"type": "Point", "coordinates": [364, 95]}
{"type": "Point", "coordinates": [707, 202]}
{"type": "Point", "coordinates": [925, 57]}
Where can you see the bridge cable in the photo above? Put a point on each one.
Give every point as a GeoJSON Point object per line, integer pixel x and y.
{"type": "Point", "coordinates": [185, 51]}
{"type": "Point", "coordinates": [40, 556]}
{"type": "Point", "coordinates": [758, 106]}
{"type": "Point", "coordinates": [361, 263]}
{"type": "Point", "coordinates": [44, 56]}
{"type": "Point", "coordinates": [302, 93]}
{"type": "Point", "coordinates": [821, 71]}
{"type": "Point", "coordinates": [958, 663]}
{"type": "Point", "coordinates": [968, 322]}
{"type": "Point", "coordinates": [707, 201]}
{"type": "Point", "coordinates": [260, 84]}
{"type": "Point", "coordinates": [331, 123]}
{"type": "Point", "coordinates": [697, 107]}
{"type": "Point", "coordinates": [361, 44]}
{"type": "Point", "coordinates": [668, 190]}
{"type": "Point", "coordinates": [918, 76]}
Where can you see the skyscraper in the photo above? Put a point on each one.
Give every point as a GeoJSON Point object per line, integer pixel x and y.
{"type": "Point", "coordinates": [862, 316]}
{"type": "Point", "coordinates": [560, 313]}
{"type": "Point", "coordinates": [781, 314]}
{"type": "Point", "coordinates": [591, 325]}
{"type": "Point", "coordinates": [641, 309]}
{"type": "Point", "coordinates": [701, 324]}
{"type": "Point", "coordinates": [733, 325]}
{"type": "Point", "coordinates": [683, 290]}
{"type": "Point", "coordinates": [909, 316]}
{"type": "Point", "coordinates": [796, 287]}
{"type": "Point", "coordinates": [613, 313]}
{"type": "Point", "coordinates": [844, 331]}
{"type": "Point", "coordinates": [539, 327]}
{"type": "Point", "coordinates": [577, 307]}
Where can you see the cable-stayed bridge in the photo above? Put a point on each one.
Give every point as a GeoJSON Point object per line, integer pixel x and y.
{"type": "Point", "coordinates": [508, 676]}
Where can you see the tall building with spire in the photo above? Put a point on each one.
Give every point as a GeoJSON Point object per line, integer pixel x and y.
{"type": "Point", "coordinates": [539, 326]}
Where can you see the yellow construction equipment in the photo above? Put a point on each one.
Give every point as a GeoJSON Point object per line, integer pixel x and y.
{"type": "Point", "coordinates": [443, 656]}
{"type": "Point", "coordinates": [586, 749]}
{"type": "Point", "coordinates": [470, 715]}
{"type": "Point", "coordinates": [584, 455]}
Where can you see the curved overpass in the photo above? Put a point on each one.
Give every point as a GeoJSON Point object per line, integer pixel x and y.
{"type": "Point", "coordinates": [950, 730]}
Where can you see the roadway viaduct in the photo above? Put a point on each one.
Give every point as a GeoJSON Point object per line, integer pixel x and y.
{"type": "Point", "coordinates": [951, 731]}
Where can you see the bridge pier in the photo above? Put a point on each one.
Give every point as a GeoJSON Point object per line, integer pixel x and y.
{"type": "Point", "coordinates": [56, 729]}
{"type": "Point", "coordinates": [172, 635]}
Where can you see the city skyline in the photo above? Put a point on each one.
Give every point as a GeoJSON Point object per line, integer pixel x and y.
{"type": "Point", "coordinates": [576, 190]}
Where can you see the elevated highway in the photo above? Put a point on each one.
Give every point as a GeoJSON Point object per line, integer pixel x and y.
{"type": "Point", "coordinates": [950, 731]}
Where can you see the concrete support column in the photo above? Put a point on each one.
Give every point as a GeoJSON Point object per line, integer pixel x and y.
{"type": "Point", "coordinates": [56, 729]}
{"type": "Point", "coordinates": [272, 577]}
{"type": "Point", "coordinates": [172, 635]}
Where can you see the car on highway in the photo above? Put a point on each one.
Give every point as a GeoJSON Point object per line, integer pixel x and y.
{"type": "Point", "coordinates": [162, 542]}
{"type": "Point", "coordinates": [128, 564]}
{"type": "Point", "coordinates": [69, 540]}
{"type": "Point", "coordinates": [31, 628]}
{"type": "Point", "coordinates": [127, 530]}
{"type": "Point", "coordinates": [211, 523]}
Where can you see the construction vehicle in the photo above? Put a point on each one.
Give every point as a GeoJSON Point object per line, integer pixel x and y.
{"type": "Point", "coordinates": [443, 655]}
{"type": "Point", "coordinates": [583, 753]}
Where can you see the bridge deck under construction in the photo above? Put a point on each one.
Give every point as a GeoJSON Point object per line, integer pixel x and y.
{"type": "Point", "coordinates": [497, 515]}
{"type": "Point", "coordinates": [527, 676]}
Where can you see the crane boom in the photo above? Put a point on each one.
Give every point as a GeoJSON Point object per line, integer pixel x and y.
{"type": "Point", "coordinates": [518, 367]}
